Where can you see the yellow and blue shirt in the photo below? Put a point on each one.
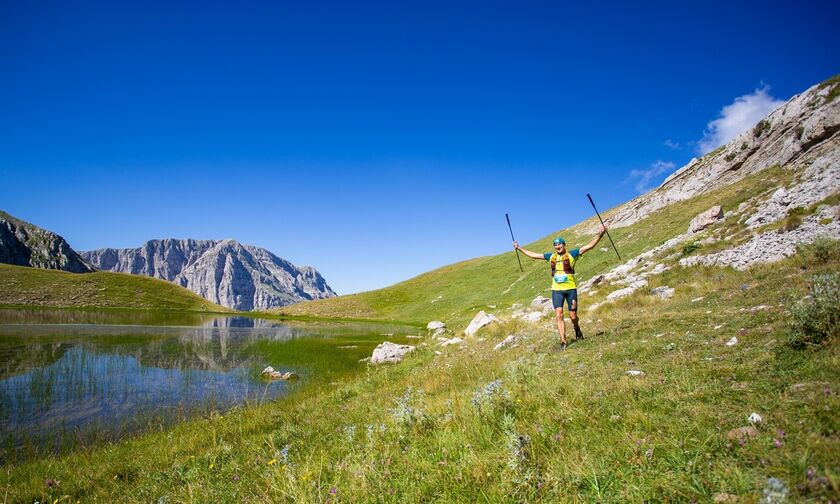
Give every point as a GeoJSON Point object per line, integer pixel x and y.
{"type": "Point", "coordinates": [564, 274]}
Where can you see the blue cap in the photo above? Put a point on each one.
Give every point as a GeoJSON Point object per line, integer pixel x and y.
{"type": "Point", "coordinates": [558, 241]}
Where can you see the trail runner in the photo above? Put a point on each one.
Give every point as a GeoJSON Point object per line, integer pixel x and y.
{"type": "Point", "coordinates": [563, 286]}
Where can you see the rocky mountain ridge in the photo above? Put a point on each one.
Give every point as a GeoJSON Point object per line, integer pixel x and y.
{"type": "Point", "coordinates": [238, 276]}
{"type": "Point", "coordinates": [25, 244]}
{"type": "Point", "coordinates": [802, 132]}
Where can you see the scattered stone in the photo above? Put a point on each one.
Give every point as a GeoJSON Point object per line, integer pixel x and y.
{"type": "Point", "coordinates": [705, 219]}
{"type": "Point", "coordinates": [452, 341]}
{"type": "Point", "coordinates": [343, 347]}
{"type": "Point", "coordinates": [755, 418]}
{"type": "Point", "coordinates": [511, 339]}
{"type": "Point", "coordinates": [697, 299]}
{"type": "Point", "coordinates": [438, 352]}
{"type": "Point", "coordinates": [637, 284]}
{"type": "Point", "coordinates": [742, 434]}
{"type": "Point", "coordinates": [758, 308]}
{"type": "Point", "coordinates": [387, 352]}
{"type": "Point", "coordinates": [733, 341]}
{"type": "Point", "coordinates": [515, 306]}
{"type": "Point", "coordinates": [434, 325]}
{"type": "Point", "coordinates": [663, 292]}
{"type": "Point", "coordinates": [669, 347]}
{"type": "Point", "coordinates": [718, 326]}
{"type": "Point", "coordinates": [270, 373]}
{"type": "Point", "coordinates": [532, 317]}
{"type": "Point", "coordinates": [480, 320]}
{"type": "Point", "coordinates": [635, 372]}
{"type": "Point", "coordinates": [615, 418]}
{"type": "Point", "coordinates": [543, 304]}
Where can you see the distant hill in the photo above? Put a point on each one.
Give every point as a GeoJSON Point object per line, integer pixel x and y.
{"type": "Point", "coordinates": [25, 244]}
{"type": "Point", "coordinates": [26, 286]}
{"type": "Point", "coordinates": [242, 277]}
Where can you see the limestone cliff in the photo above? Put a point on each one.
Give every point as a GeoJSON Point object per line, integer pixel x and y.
{"type": "Point", "coordinates": [24, 244]}
{"type": "Point", "coordinates": [242, 277]}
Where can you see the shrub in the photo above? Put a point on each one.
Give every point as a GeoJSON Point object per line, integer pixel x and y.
{"type": "Point", "coordinates": [729, 157]}
{"type": "Point", "coordinates": [688, 248]}
{"type": "Point", "coordinates": [762, 126]}
{"type": "Point", "coordinates": [793, 219]}
{"type": "Point", "coordinates": [816, 317]}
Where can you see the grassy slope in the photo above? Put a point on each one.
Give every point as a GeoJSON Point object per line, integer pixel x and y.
{"type": "Point", "coordinates": [24, 286]}
{"type": "Point", "coordinates": [469, 286]}
{"type": "Point", "coordinates": [415, 432]}
{"type": "Point", "coordinates": [560, 427]}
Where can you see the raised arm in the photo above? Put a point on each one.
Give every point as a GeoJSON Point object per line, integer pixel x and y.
{"type": "Point", "coordinates": [589, 246]}
{"type": "Point", "coordinates": [532, 255]}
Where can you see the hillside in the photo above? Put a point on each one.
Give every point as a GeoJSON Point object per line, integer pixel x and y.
{"type": "Point", "coordinates": [25, 244]}
{"type": "Point", "coordinates": [796, 148]}
{"type": "Point", "coordinates": [24, 286]}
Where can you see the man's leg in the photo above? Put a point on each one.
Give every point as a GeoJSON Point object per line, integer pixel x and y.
{"type": "Point", "coordinates": [561, 326]}
{"type": "Point", "coordinates": [574, 317]}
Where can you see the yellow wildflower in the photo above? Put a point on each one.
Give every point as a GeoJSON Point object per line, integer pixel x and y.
{"type": "Point", "coordinates": [272, 461]}
{"type": "Point", "coordinates": [212, 466]}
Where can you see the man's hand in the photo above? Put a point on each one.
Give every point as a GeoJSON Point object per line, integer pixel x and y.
{"type": "Point", "coordinates": [603, 229]}
{"type": "Point", "coordinates": [516, 245]}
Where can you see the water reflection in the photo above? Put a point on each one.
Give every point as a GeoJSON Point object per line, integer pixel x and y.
{"type": "Point", "coordinates": [74, 382]}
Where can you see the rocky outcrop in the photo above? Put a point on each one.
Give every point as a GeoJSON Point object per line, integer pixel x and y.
{"type": "Point", "coordinates": [24, 244]}
{"type": "Point", "coordinates": [804, 131]}
{"type": "Point", "coordinates": [389, 353]}
{"type": "Point", "coordinates": [242, 277]}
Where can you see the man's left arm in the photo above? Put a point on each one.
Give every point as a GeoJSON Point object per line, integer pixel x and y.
{"type": "Point", "coordinates": [589, 246]}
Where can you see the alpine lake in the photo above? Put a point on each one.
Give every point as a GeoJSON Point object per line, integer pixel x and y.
{"type": "Point", "coordinates": [71, 379]}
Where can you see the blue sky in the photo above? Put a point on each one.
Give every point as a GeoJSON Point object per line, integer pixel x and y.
{"type": "Point", "coordinates": [375, 141]}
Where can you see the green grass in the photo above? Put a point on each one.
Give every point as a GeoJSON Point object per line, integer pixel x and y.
{"type": "Point", "coordinates": [454, 293]}
{"type": "Point", "coordinates": [27, 287]}
{"type": "Point", "coordinates": [558, 427]}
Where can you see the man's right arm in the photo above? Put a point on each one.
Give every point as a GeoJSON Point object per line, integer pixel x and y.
{"type": "Point", "coordinates": [532, 255]}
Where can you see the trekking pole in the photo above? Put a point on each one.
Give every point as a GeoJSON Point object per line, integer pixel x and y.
{"type": "Point", "coordinates": [605, 226]}
{"type": "Point", "coordinates": [514, 239]}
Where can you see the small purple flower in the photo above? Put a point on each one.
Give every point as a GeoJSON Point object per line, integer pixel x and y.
{"type": "Point", "coordinates": [235, 477]}
{"type": "Point", "coordinates": [333, 490]}
{"type": "Point", "coordinates": [777, 443]}
{"type": "Point", "coordinates": [810, 473]}
{"type": "Point", "coordinates": [51, 483]}
{"type": "Point", "coordinates": [781, 433]}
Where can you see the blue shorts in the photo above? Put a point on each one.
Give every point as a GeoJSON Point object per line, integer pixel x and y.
{"type": "Point", "coordinates": [570, 296]}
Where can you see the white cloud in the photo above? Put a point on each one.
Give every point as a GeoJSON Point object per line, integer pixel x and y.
{"type": "Point", "coordinates": [646, 176]}
{"type": "Point", "coordinates": [737, 117]}
{"type": "Point", "coordinates": [671, 144]}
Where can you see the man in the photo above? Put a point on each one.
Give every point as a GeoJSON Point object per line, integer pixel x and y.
{"type": "Point", "coordinates": [563, 286]}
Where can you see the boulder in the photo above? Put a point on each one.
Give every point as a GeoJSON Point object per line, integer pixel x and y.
{"type": "Point", "coordinates": [387, 352]}
{"type": "Point", "coordinates": [543, 304]}
{"type": "Point", "coordinates": [510, 340]}
{"type": "Point", "coordinates": [452, 341]}
{"type": "Point", "coordinates": [480, 320]}
{"type": "Point", "coordinates": [634, 285]}
{"type": "Point", "coordinates": [663, 292]}
{"type": "Point", "coordinates": [705, 219]}
{"type": "Point", "coordinates": [531, 317]}
{"type": "Point", "coordinates": [434, 325]}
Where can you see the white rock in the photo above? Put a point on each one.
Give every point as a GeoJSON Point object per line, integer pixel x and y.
{"type": "Point", "coordinates": [705, 219]}
{"type": "Point", "coordinates": [697, 299]}
{"type": "Point", "coordinates": [732, 341]}
{"type": "Point", "coordinates": [630, 289]}
{"type": "Point", "coordinates": [511, 339]}
{"type": "Point", "coordinates": [480, 320]}
{"type": "Point", "coordinates": [543, 304]}
{"type": "Point", "coordinates": [453, 341]}
{"type": "Point", "coordinates": [754, 418]}
{"type": "Point", "coordinates": [635, 372]}
{"type": "Point", "coordinates": [434, 325]}
{"type": "Point", "coordinates": [387, 352]}
{"type": "Point", "coordinates": [758, 308]}
{"type": "Point", "coordinates": [532, 317]}
{"type": "Point", "coordinates": [663, 292]}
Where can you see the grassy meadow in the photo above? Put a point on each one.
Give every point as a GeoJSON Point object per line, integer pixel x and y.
{"type": "Point", "coordinates": [22, 286]}
{"type": "Point", "coordinates": [530, 423]}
